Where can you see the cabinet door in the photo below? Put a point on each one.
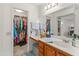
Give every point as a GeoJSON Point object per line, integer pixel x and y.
{"type": "Point", "coordinates": [61, 53]}
{"type": "Point", "coordinates": [49, 51]}
{"type": "Point", "coordinates": [41, 48]}
{"type": "Point", "coordinates": [41, 45]}
{"type": "Point", "coordinates": [41, 51]}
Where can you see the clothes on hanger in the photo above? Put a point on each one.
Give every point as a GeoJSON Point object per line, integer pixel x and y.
{"type": "Point", "coordinates": [25, 23]}
{"type": "Point", "coordinates": [21, 23]}
{"type": "Point", "coordinates": [20, 30]}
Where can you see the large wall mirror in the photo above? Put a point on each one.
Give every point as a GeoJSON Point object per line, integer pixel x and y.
{"type": "Point", "coordinates": [66, 25]}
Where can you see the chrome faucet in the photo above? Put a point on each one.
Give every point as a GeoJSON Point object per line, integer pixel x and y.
{"type": "Point", "coordinates": [73, 40]}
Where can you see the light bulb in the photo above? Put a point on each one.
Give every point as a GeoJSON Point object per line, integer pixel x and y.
{"type": "Point", "coordinates": [49, 6]}
{"type": "Point", "coordinates": [53, 4]}
{"type": "Point", "coordinates": [61, 22]}
{"type": "Point", "coordinates": [45, 7]}
{"type": "Point", "coordinates": [18, 10]}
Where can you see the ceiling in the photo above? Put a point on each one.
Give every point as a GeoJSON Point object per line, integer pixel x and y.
{"type": "Point", "coordinates": [39, 4]}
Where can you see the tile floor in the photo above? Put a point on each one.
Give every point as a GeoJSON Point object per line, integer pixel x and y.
{"type": "Point", "coordinates": [19, 51]}
{"type": "Point", "coordinates": [22, 51]}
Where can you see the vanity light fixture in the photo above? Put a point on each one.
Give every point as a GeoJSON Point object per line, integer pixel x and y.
{"type": "Point", "coordinates": [50, 5]}
{"type": "Point", "coordinates": [45, 7]}
{"type": "Point", "coordinates": [18, 10]}
{"type": "Point", "coordinates": [54, 4]}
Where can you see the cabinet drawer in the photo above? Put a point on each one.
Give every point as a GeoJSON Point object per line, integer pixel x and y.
{"type": "Point", "coordinates": [61, 53]}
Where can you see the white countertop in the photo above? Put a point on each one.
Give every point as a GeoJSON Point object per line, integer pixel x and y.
{"type": "Point", "coordinates": [63, 46]}
{"type": "Point", "coordinates": [35, 37]}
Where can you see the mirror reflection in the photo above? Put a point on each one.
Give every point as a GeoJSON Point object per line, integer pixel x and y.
{"type": "Point", "coordinates": [66, 25]}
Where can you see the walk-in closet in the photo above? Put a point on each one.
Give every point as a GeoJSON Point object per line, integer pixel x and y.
{"type": "Point", "coordinates": [20, 37]}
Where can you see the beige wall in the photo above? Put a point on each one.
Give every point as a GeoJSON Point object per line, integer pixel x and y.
{"type": "Point", "coordinates": [6, 24]}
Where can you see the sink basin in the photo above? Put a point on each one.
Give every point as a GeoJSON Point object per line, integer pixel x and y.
{"type": "Point", "coordinates": [56, 42]}
{"type": "Point", "coordinates": [50, 39]}
{"type": "Point", "coordinates": [50, 42]}
{"type": "Point", "coordinates": [61, 44]}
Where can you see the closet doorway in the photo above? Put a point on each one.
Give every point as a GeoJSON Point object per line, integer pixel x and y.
{"type": "Point", "coordinates": [20, 36]}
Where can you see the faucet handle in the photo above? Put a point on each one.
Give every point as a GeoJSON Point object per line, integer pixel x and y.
{"type": "Point", "coordinates": [75, 35]}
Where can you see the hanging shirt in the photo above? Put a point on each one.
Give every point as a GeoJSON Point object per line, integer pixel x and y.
{"type": "Point", "coordinates": [25, 23]}
{"type": "Point", "coordinates": [14, 31]}
{"type": "Point", "coordinates": [21, 23]}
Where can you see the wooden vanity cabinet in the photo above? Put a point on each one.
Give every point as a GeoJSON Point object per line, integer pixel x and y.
{"type": "Point", "coordinates": [61, 53]}
{"type": "Point", "coordinates": [41, 48]}
{"type": "Point", "coordinates": [47, 50]}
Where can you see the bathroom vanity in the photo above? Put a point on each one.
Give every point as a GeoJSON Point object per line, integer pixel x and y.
{"type": "Point", "coordinates": [54, 47]}
{"type": "Point", "coordinates": [48, 50]}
